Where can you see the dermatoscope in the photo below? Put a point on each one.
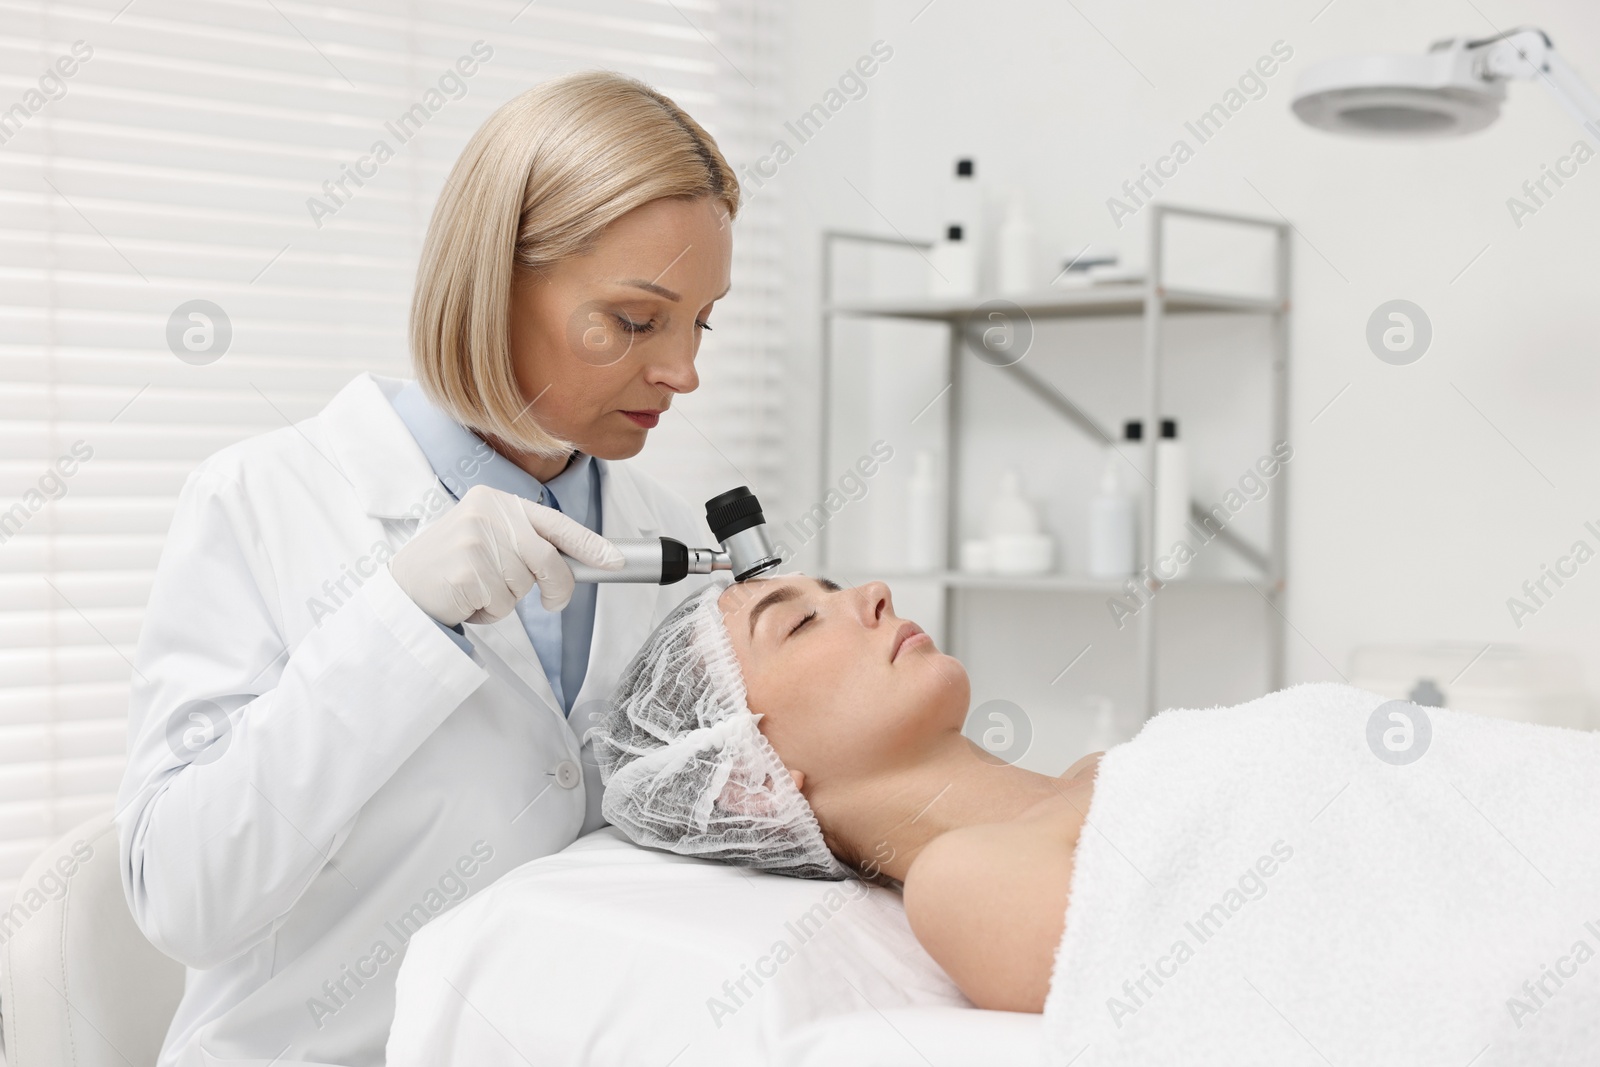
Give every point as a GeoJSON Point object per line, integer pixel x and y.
{"type": "Point", "coordinates": [736, 522]}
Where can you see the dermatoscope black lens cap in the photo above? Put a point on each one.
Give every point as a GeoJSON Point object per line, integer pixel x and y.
{"type": "Point", "coordinates": [728, 513]}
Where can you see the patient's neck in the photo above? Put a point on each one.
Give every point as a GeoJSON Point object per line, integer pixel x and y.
{"type": "Point", "coordinates": [886, 821]}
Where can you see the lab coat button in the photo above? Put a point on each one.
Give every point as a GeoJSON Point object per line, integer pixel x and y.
{"type": "Point", "coordinates": [567, 776]}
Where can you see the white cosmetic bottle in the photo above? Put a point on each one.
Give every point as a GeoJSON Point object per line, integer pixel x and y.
{"type": "Point", "coordinates": [965, 206]}
{"type": "Point", "coordinates": [958, 257]}
{"type": "Point", "coordinates": [1016, 268]}
{"type": "Point", "coordinates": [1113, 524]}
{"type": "Point", "coordinates": [1016, 545]}
{"type": "Point", "coordinates": [924, 518]}
{"type": "Point", "coordinates": [1172, 504]}
{"type": "Point", "coordinates": [955, 265]}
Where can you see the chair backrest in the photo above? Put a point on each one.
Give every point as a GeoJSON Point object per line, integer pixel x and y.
{"type": "Point", "coordinates": [80, 986]}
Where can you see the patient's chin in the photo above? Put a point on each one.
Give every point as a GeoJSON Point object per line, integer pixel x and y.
{"type": "Point", "coordinates": [944, 669]}
{"type": "Point", "coordinates": [939, 696]}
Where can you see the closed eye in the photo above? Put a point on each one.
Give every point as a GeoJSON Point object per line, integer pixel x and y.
{"type": "Point", "coordinates": [809, 616]}
{"type": "Point", "coordinates": [634, 327]}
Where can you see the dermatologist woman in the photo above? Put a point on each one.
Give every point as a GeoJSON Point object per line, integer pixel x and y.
{"type": "Point", "coordinates": [346, 715]}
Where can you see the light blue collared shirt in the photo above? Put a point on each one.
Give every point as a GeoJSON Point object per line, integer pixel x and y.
{"type": "Point", "coordinates": [462, 459]}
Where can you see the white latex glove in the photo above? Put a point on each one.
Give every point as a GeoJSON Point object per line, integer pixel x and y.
{"type": "Point", "coordinates": [476, 562]}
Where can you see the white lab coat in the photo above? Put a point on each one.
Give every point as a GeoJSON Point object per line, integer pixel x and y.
{"type": "Point", "coordinates": [354, 773]}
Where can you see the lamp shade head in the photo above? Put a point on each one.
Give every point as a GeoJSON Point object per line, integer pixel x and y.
{"type": "Point", "coordinates": [1437, 94]}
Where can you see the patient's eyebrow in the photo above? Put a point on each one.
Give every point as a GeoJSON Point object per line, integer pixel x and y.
{"type": "Point", "coordinates": [781, 594]}
{"type": "Point", "coordinates": [652, 287]}
{"type": "Point", "coordinates": [777, 596]}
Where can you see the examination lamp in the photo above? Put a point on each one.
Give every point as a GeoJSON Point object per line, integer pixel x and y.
{"type": "Point", "coordinates": [1456, 87]}
{"type": "Point", "coordinates": [736, 522]}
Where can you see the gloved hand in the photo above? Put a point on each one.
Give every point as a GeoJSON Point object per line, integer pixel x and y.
{"type": "Point", "coordinates": [476, 562]}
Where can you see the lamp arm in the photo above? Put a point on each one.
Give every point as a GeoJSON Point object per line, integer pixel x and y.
{"type": "Point", "coordinates": [1528, 55]}
{"type": "Point", "coordinates": [1572, 93]}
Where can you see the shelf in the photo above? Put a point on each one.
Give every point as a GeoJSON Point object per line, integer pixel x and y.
{"type": "Point", "coordinates": [1147, 301]}
{"type": "Point", "coordinates": [1095, 301]}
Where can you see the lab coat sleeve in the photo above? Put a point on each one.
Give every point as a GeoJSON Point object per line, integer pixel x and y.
{"type": "Point", "coordinates": [457, 633]}
{"type": "Point", "coordinates": [224, 822]}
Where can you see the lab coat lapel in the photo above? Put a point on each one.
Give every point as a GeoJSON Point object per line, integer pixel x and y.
{"type": "Point", "coordinates": [394, 480]}
{"type": "Point", "coordinates": [624, 612]}
{"type": "Point", "coordinates": [507, 639]}
{"type": "Point", "coordinates": [372, 448]}
{"type": "Point", "coordinates": [392, 477]}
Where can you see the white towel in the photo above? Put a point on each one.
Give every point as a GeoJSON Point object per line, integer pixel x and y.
{"type": "Point", "coordinates": [1255, 885]}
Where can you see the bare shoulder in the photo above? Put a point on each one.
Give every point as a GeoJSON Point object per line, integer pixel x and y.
{"type": "Point", "coordinates": [989, 904]}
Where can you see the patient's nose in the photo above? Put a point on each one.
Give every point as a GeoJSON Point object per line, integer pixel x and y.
{"type": "Point", "coordinates": [872, 602]}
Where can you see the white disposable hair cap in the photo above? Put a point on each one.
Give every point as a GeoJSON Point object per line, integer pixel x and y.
{"type": "Point", "coordinates": [685, 766]}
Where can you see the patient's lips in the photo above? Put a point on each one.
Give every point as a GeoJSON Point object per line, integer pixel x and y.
{"type": "Point", "coordinates": [908, 634]}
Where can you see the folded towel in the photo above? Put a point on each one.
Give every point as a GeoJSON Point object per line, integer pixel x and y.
{"type": "Point", "coordinates": [1309, 879]}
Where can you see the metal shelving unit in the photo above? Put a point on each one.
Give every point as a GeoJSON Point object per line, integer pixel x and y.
{"type": "Point", "coordinates": [1150, 300]}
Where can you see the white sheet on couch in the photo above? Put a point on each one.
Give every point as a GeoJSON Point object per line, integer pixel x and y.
{"type": "Point", "coordinates": [612, 954]}
{"type": "Point", "coordinates": [1255, 885]}
{"type": "Point", "coordinates": [918, 1037]}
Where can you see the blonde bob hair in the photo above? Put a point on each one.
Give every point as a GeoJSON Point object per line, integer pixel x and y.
{"type": "Point", "coordinates": [536, 184]}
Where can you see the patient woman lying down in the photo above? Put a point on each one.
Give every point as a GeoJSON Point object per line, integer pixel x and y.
{"type": "Point", "coordinates": [1318, 875]}
{"type": "Point", "coordinates": [853, 760]}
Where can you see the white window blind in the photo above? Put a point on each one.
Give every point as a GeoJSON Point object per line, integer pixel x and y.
{"type": "Point", "coordinates": [175, 164]}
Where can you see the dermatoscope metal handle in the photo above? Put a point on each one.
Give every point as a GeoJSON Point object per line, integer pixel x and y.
{"type": "Point", "coordinates": [736, 521]}
{"type": "Point", "coordinates": [652, 561]}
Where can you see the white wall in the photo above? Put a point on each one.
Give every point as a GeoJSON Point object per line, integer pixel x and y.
{"type": "Point", "coordinates": [1424, 496]}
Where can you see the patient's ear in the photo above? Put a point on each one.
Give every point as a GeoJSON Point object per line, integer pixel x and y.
{"type": "Point", "coordinates": [799, 778]}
